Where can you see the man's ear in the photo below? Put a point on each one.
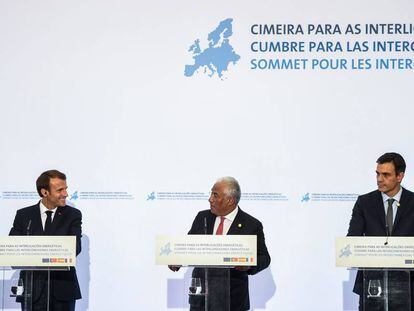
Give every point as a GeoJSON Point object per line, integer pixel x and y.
{"type": "Point", "coordinates": [400, 176]}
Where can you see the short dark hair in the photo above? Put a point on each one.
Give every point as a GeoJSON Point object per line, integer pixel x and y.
{"type": "Point", "coordinates": [43, 181]}
{"type": "Point", "coordinates": [395, 158]}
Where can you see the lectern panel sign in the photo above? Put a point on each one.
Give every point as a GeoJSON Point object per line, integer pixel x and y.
{"type": "Point", "coordinates": [211, 250]}
{"type": "Point", "coordinates": [38, 251]}
{"type": "Point", "coordinates": [375, 252]}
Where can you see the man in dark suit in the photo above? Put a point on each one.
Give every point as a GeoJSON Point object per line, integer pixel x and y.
{"type": "Point", "coordinates": [388, 211]}
{"type": "Point", "coordinates": [226, 217]}
{"type": "Point", "coordinates": [51, 216]}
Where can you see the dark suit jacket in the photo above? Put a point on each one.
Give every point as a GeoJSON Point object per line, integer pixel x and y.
{"type": "Point", "coordinates": [66, 221]}
{"type": "Point", "coordinates": [239, 283]}
{"type": "Point", "coordinates": [368, 219]}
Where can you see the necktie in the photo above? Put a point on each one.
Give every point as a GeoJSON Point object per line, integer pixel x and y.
{"type": "Point", "coordinates": [390, 216]}
{"type": "Point", "coordinates": [221, 225]}
{"type": "Point", "coordinates": [48, 223]}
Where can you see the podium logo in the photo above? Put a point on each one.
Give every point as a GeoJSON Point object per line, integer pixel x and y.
{"type": "Point", "coordinates": [166, 250]}
{"type": "Point", "coordinates": [216, 58]}
{"type": "Point", "coordinates": [346, 251]}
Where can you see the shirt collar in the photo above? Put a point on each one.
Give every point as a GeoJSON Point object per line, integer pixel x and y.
{"type": "Point", "coordinates": [44, 209]}
{"type": "Point", "coordinates": [396, 197]}
{"type": "Point", "coordinates": [233, 214]}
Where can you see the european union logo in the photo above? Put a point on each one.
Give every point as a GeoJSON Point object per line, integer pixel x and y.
{"type": "Point", "coordinates": [151, 196]}
{"type": "Point", "coordinates": [166, 250]}
{"type": "Point", "coordinates": [346, 251]}
{"type": "Point", "coordinates": [216, 58]}
{"type": "Point", "coordinates": [306, 197]}
{"type": "Point", "coordinates": [74, 196]}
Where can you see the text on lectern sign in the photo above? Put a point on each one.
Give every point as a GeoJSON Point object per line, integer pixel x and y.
{"type": "Point", "coordinates": [211, 250]}
{"type": "Point", "coordinates": [38, 251]}
{"type": "Point", "coordinates": [375, 252]}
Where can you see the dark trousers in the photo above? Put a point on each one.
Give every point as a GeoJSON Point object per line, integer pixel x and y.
{"type": "Point", "coordinates": [41, 290]}
{"type": "Point", "coordinates": [54, 305]}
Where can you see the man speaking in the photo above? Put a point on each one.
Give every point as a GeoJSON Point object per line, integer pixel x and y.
{"type": "Point", "coordinates": [226, 217]}
{"type": "Point", "coordinates": [388, 211]}
{"type": "Point", "coordinates": [51, 216]}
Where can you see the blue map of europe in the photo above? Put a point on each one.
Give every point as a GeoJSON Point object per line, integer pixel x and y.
{"type": "Point", "coordinates": [219, 54]}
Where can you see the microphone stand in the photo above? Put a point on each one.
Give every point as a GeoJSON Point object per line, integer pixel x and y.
{"type": "Point", "coordinates": [28, 281]}
{"type": "Point", "coordinates": [386, 240]}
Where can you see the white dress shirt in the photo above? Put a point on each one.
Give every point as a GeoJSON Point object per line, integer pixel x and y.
{"type": "Point", "coordinates": [43, 215]}
{"type": "Point", "coordinates": [229, 218]}
{"type": "Point", "coordinates": [395, 204]}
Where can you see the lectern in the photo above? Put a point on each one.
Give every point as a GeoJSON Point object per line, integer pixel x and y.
{"type": "Point", "coordinates": [384, 265]}
{"type": "Point", "coordinates": [26, 263]}
{"type": "Point", "coordinates": [212, 257]}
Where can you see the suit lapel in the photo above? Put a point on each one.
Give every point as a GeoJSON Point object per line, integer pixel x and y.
{"type": "Point", "coordinates": [57, 218]}
{"type": "Point", "coordinates": [379, 207]}
{"type": "Point", "coordinates": [401, 209]}
{"type": "Point", "coordinates": [37, 227]}
{"type": "Point", "coordinates": [237, 224]}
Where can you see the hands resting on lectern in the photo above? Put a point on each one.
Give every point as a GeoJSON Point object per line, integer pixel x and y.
{"type": "Point", "coordinates": [241, 268]}
{"type": "Point", "coordinates": [174, 268]}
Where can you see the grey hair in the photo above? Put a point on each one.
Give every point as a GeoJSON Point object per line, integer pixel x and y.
{"type": "Point", "coordinates": [233, 187]}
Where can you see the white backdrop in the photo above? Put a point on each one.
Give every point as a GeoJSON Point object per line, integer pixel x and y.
{"type": "Point", "coordinates": [97, 90]}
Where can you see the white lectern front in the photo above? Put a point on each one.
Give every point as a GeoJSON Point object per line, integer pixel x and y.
{"type": "Point", "coordinates": [30, 259]}
{"type": "Point", "coordinates": [212, 257]}
{"type": "Point", "coordinates": [384, 269]}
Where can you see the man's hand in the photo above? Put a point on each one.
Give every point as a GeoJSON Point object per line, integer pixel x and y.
{"type": "Point", "coordinates": [242, 268]}
{"type": "Point", "coordinates": [174, 268]}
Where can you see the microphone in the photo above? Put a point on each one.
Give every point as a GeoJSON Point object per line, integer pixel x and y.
{"type": "Point", "coordinates": [205, 225]}
{"type": "Point", "coordinates": [28, 227]}
{"type": "Point", "coordinates": [386, 240]}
